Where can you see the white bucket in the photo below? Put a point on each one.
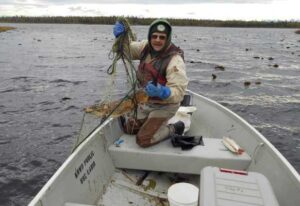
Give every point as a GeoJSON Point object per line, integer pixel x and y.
{"type": "Point", "coordinates": [183, 194]}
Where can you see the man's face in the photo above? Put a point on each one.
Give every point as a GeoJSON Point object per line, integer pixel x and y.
{"type": "Point", "coordinates": [158, 41]}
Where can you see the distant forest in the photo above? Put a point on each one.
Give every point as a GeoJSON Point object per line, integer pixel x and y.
{"type": "Point", "coordinates": [147, 21]}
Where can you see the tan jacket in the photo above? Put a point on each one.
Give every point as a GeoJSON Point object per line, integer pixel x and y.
{"type": "Point", "coordinates": [176, 77]}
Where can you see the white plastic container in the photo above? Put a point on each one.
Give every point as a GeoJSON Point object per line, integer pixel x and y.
{"type": "Point", "coordinates": [220, 187]}
{"type": "Point", "coordinates": [183, 194]}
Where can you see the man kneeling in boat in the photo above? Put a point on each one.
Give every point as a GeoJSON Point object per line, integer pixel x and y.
{"type": "Point", "coordinates": [162, 74]}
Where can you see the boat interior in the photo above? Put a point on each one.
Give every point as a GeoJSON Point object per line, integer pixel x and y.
{"type": "Point", "coordinates": [110, 169]}
{"type": "Point", "coordinates": [142, 176]}
{"type": "Point", "coordinates": [132, 175]}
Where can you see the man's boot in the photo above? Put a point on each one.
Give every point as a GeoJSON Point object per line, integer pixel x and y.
{"type": "Point", "coordinates": [179, 127]}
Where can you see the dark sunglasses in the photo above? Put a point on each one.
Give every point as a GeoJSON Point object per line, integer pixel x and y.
{"type": "Point", "coordinates": [161, 37]}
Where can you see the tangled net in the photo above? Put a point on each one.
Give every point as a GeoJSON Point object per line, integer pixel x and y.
{"type": "Point", "coordinates": [121, 48]}
{"type": "Point", "coordinates": [121, 51]}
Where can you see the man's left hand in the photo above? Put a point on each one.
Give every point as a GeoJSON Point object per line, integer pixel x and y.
{"type": "Point", "coordinates": [160, 91]}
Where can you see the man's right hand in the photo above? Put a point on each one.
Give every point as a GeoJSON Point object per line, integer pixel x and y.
{"type": "Point", "coordinates": [118, 29]}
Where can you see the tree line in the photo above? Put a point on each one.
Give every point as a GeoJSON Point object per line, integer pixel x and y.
{"type": "Point", "coordinates": [146, 21]}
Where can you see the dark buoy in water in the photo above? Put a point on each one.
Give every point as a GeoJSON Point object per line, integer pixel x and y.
{"type": "Point", "coordinates": [214, 76]}
{"type": "Point", "coordinates": [247, 83]}
{"type": "Point", "coordinates": [258, 82]}
{"type": "Point", "coordinates": [65, 98]}
{"type": "Point", "coordinates": [219, 67]}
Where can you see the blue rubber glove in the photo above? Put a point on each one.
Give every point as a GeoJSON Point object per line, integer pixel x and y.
{"type": "Point", "coordinates": [160, 91]}
{"type": "Point", "coordinates": [118, 29]}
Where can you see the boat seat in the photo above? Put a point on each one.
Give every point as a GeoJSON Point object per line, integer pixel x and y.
{"type": "Point", "coordinates": [164, 157]}
{"type": "Point", "coordinates": [223, 187]}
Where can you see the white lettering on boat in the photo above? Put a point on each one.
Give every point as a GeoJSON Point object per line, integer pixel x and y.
{"type": "Point", "coordinates": [85, 168]}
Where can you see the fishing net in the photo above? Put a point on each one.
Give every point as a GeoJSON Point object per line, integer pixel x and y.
{"type": "Point", "coordinates": [127, 103]}
{"type": "Point", "coordinates": [121, 52]}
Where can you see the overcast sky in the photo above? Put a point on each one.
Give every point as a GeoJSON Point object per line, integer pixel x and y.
{"type": "Point", "coordinates": [196, 9]}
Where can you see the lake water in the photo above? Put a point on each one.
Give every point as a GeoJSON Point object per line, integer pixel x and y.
{"type": "Point", "coordinates": [50, 72]}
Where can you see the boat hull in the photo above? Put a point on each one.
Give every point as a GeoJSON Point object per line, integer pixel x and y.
{"type": "Point", "coordinates": [86, 173]}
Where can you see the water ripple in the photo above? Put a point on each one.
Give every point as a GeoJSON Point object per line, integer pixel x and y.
{"type": "Point", "coordinates": [64, 81]}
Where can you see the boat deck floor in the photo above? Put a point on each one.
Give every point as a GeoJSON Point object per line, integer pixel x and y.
{"type": "Point", "coordinates": [135, 187]}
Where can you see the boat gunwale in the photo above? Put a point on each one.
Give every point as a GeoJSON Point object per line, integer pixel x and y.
{"type": "Point", "coordinates": [37, 199]}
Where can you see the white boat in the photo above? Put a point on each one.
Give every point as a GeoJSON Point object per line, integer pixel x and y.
{"type": "Point", "coordinates": [101, 172]}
